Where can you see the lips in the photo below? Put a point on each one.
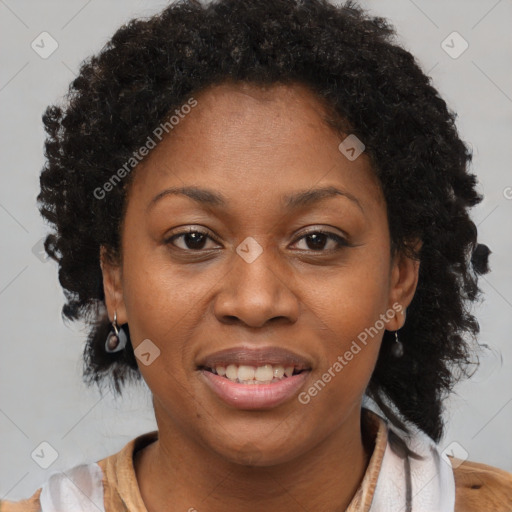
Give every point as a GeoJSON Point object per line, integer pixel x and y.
{"type": "Point", "coordinates": [261, 378]}
{"type": "Point", "coordinates": [275, 356]}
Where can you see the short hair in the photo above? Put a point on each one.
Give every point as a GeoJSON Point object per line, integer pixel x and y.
{"type": "Point", "coordinates": [374, 89]}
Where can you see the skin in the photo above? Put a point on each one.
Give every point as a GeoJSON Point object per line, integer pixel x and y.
{"type": "Point", "coordinates": [253, 146]}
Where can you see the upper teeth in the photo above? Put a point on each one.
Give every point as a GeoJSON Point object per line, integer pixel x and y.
{"type": "Point", "coordinates": [251, 374]}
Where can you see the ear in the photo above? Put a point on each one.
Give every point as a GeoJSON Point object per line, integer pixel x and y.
{"type": "Point", "coordinates": [112, 287]}
{"type": "Point", "coordinates": [403, 283]}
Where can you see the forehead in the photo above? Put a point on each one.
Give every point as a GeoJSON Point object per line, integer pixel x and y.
{"type": "Point", "coordinates": [250, 140]}
{"type": "Point", "coordinates": [241, 99]}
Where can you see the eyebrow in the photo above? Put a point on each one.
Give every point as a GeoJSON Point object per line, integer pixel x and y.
{"type": "Point", "coordinates": [291, 201]}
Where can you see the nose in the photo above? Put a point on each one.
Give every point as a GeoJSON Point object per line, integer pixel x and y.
{"type": "Point", "coordinates": [255, 293]}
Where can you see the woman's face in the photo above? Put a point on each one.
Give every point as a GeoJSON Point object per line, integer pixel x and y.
{"type": "Point", "coordinates": [251, 279]}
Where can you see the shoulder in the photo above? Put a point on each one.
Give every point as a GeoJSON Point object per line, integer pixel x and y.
{"type": "Point", "coordinates": [109, 483]}
{"type": "Point", "coordinates": [481, 487]}
{"type": "Point", "coordinates": [78, 488]}
{"type": "Point", "coordinates": [31, 504]}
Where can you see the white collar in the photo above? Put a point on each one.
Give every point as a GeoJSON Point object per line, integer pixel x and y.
{"type": "Point", "coordinates": [414, 476]}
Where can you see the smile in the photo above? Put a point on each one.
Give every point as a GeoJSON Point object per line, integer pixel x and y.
{"type": "Point", "coordinates": [254, 394]}
{"type": "Point", "coordinates": [245, 374]}
{"type": "Point", "coordinates": [254, 378]}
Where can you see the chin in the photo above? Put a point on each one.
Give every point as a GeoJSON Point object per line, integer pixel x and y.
{"type": "Point", "coordinates": [269, 452]}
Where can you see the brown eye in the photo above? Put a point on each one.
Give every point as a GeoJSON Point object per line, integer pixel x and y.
{"type": "Point", "coordinates": [191, 240]}
{"type": "Point", "coordinates": [318, 240]}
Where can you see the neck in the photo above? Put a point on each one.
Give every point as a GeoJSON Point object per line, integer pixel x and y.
{"type": "Point", "coordinates": [176, 469]}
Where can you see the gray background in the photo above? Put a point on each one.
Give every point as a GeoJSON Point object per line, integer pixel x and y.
{"type": "Point", "coordinates": [42, 397]}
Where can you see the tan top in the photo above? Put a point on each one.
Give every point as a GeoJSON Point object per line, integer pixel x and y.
{"type": "Point", "coordinates": [479, 487]}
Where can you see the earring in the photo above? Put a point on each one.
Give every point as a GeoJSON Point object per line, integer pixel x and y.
{"type": "Point", "coordinates": [397, 349]}
{"type": "Point", "coordinates": [116, 339]}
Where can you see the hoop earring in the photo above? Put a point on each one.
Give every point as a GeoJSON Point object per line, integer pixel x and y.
{"type": "Point", "coordinates": [116, 339]}
{"type": "Point", "coordinates": [397, 349]}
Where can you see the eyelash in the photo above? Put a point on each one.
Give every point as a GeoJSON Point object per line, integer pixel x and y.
{"type": "Point", "coordinates": [342, 242]}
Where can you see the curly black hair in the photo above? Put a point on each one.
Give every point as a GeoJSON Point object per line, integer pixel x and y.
{"type": "Point", "coordinates": [374, 88]}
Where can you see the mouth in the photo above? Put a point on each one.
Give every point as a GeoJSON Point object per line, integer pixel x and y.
{"type": "Point", "coordinates": [254, 375]}
{"type": "Point", "coordinates": [254, 378]}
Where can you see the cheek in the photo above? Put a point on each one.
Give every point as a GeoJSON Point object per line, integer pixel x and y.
{"type": "Point", "coordinates": [347, 309]}
{"type": "Point", "coordinates": [351, 298]}
{"type": "Point", "coordinates": [349, 351]}
{"type": "Point", "coordinates": [161, 304]}
{"type": "Point", "coordinates": [160, 297]}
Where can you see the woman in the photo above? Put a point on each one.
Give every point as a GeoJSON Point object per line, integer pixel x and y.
{"type": "Point", "coordinates": [261, 207]}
